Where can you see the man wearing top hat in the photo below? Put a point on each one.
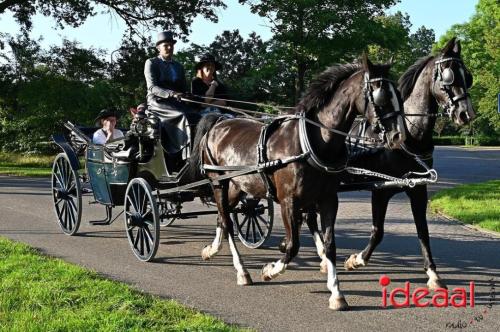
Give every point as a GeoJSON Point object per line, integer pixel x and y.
{"type": "Point", "coordinates": [166, 84]}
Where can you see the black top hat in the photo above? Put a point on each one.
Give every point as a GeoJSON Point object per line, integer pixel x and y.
{"type": "Point", "coordinates": [105, 113]}
{"type": "Point", "coordinates": [207, 57]}
{"type": "Point", "coordinates": [166, 36]}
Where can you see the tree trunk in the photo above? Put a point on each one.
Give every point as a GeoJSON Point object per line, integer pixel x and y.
{"type": "Point", "coordinates": [299, 82]}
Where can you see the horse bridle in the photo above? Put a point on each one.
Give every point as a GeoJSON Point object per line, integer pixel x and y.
{"type": "Point", "coordinates": [446, 78]}
{"type": "Point", "coordinates": [378, 99]}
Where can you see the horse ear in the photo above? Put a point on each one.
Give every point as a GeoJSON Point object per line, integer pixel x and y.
{"type": "Point", "coordinates": [457, 48]}
{"type": "Point", "coordinates": [448, 48]}
{"type": "Point", "coordinates": [367, 64]}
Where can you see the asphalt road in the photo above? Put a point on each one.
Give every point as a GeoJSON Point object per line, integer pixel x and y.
{"type": "Point", "coordinates": [297, 300]}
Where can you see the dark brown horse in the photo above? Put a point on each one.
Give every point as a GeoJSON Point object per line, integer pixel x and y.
{"type": "Point", "coordinates": [432, 82]}
{"type": "Point", "coordinates": [332, 102]}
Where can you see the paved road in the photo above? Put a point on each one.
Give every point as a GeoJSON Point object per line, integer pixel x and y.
{"type": "Point", "coordinates": [298, 300]}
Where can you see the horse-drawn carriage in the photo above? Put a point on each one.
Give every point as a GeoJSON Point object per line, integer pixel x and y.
{"type": "Point", "coordinates": [296, 159]}
{"type": "Point", "coordinates": [132, 172]}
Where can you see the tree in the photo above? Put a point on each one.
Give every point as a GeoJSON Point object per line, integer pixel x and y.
{"type": "Point", "coordinates": [39, 89]}
{"type": "Point", "coordinates": [398, 43]}
{"type": "Point", "coordinates": [320, 32]}
{"type": "Point", "coordinates": [480, 38]}
{"type": "Point", "coordinates": [137, 14]}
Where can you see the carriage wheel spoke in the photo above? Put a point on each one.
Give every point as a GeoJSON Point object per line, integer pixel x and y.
{"type": "Point", "coordinates": [58, 176]}
{"type": "Point", "coordinates": [136, 240]}
{"type": "Point", "coordinates": [58, 202]}
{"type": "Point", "coordinates": [146, 240]}
{"type": "Point", "coordinates": [144, 204]}
{"type": "Point", "coordinates": [141, 232]}
{"type": "Point", "coordinates": [71, 217]}
{"type": "Point", "coordinates": [259, 229]}
{"type": "Point", "coordinates": [69, 177]}
{"type": "Point", "coordinates": [71, 188]}
{"type": "Point", "coordinates": [264, 221]}
{"type": "Point", "coordinates": [248, 229]}
{"type": "Point", "coordinates": [242, 223]}
{"type": "Point", "coordinates": [148, 234]}
{"type": "Point", "coordinates": [135, 201]}
{"type": "Point", "coordinates": [253, 229]}
{"type": "Point", "coordinates": [63, 173]}
{"type": "Point", "coordinates": [65, 214]}
{"type": "Point", "coordinates": [131, 204]}
{"type": "Point", "coordinates": [148, 212]}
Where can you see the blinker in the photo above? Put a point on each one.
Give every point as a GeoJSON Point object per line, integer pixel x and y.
{"type": "Point", "coordinates": [447, 76]}
{"type": "Point", "coordinates": [379, 97]}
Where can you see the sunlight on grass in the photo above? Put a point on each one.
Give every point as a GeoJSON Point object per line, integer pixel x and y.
{"type": "Point", "coordinates": [39, 293]}
{"type": "Point", "coordinates": [25, 165]}
{"type": "Point", "coordinates": [477, 204]}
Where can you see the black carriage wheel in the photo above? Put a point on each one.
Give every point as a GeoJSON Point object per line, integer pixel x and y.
{"type": "Point", "coordinates": [142, 219]}
{"type": "Point", "coordinates": [253, 221]}
{"type": "Point", "coordinates": [66, 194]}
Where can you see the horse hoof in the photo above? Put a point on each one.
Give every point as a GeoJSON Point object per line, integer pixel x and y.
{"type": "Point", "coordinates": [205, 253]}
{"type": "Point", "coordinates": [350, 263]}
{"type": "Point", "coordinates": [244, 279]}
{"type": "Point", "coordinates": [323, 267]}
{"type": "Point", "coordinates": [338, 304]}
{"type": "Point", "coordinates": [435, 284]}
{"type": "Point", "coordinates": [282, 246]}
{"type": "Point", "coordinates": [265, 274]}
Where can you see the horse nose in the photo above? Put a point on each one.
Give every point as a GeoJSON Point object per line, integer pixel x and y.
{"type": "Point", "coordinates": [464, 117]}
{"type": "Point", "coordinates": [395, 140]}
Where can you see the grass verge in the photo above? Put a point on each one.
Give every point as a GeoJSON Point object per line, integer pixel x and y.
{"type": "Point", "coordinates": [477, 204]}
{"type": "Point", "coordinates": [39, 293]}
{"type": "Point", "coordinates": [25, 165]}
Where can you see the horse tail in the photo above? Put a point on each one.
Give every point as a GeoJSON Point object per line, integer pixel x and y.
{"type": "Point", "coordinates": [206, 123]}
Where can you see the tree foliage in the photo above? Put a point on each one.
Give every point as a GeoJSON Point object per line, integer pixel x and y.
{"type": "Point", "coordinates": [317, 33]}
{"type": "Point", "coordinates": [480, 39]}
{"type": "Point", "coordinates": [396, 42]}
{"type": "Point", "coordinates": [137, 14]}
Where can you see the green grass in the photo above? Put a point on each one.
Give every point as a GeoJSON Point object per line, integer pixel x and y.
{"type": "Point", "coordinates": [477, 204]}
{"type": "Point", "coordinates": [39, 293]}
{"type": "Point", "coordinates": [25, 165]}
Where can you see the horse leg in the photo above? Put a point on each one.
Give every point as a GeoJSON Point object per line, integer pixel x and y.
{"type": "Point", "coordinates": [225, 229]}
{"type": "Point", "coordinates": [380, 201]}
{"type": "Point", "coordinates": [211, 250]}
{"type": "Point", "coordinates": [418, 200]}
{"type": "Point", "coordinates": [310, 218]}
{"type": "Point", "coordinates": [291, 216]}
{"type": "Point", "coordinates": [328, 215]}
{"type": "Point", "coordinates": [312, 224]}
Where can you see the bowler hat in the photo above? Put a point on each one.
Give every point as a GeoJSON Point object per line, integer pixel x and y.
{"type": "Point", "coordinates": [165, 36]}
{"type": "Point", "coordinates": [206, 58]}
{"type": "Point", "coordinates": [105, 113]}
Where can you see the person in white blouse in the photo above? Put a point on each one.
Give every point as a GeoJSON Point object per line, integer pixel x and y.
{"type": "Point", "coordinates": [107, 121]}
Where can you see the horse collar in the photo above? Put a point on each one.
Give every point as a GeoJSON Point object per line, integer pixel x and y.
{"type": "Point", "coordinates": [312, 158]}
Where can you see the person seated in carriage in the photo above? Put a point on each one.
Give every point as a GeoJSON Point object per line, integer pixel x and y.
{"type": "Point", "coordinates": [166, 86]}
{"type": "Point", "coordinates": [206, 86]}
{"type": "Point", "coordinates": [107, 121]}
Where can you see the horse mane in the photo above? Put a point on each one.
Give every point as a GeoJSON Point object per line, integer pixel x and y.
{"type": "Point", "coordinates": [321, 90]}
{"type": "Point", "coordinates": [407, 81]}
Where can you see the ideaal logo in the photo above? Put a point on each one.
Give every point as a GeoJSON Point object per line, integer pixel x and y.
{"type": "Point", "coordinates": [477, 317]}
{"type": "Point", "coordinates": [441, 297]}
